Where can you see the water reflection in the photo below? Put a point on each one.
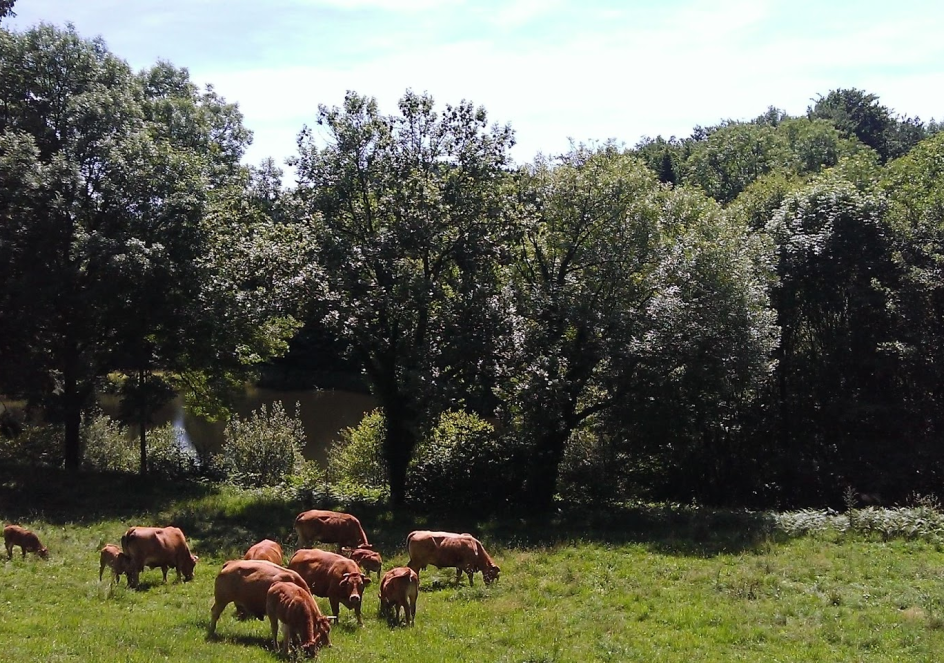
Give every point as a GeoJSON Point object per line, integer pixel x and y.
{"type": "Point", "coordinates": [323, 412]}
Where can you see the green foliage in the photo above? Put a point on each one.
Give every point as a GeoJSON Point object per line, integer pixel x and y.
{"type": "Point", "coordinates": [356, 457]}
{"type": "Point", "coordinates": [263, 449]}
{"type": "Point", "coordinates": [410, 215]}
{"type": "Point", "coordinates": [107, 445]}
{"type": "Point", "coordinates": [36, 445]}
{"type": "Point", "coordinates": [462, 464]}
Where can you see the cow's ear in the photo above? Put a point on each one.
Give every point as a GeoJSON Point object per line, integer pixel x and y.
{"type": "Point", "coordinates": [366, 580]}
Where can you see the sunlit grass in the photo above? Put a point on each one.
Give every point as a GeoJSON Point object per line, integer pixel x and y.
{"type": "Point", "coordinates": [626, 588]}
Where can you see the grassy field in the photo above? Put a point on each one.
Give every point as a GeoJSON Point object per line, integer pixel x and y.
{"type": "Point", "coordinates": [635, 585]}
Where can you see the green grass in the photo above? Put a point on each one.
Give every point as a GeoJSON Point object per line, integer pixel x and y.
{"type": "Point", "coordinates": [632, 585]}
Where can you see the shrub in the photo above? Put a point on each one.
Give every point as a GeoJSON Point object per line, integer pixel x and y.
{"type": "Point", "coordinates": [106, 444]}
{"type": "Point", "coordinates": [462, 462]}
{"type": "Point", "coordinates": [36, 445]}
{"type": "Point", "coordinates": [168, 456]}
{"type": "Point", "coordinates": [263, 449]}
{"type": "Point", "coordinates": [355, 459]}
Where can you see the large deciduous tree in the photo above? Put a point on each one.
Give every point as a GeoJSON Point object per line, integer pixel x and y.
{"type": "Point", "coordinates": [410, 218]}
{"type": "Point", "coordinates": [618, 275]}
{"type": "Point", "coordinates": [107, 243]}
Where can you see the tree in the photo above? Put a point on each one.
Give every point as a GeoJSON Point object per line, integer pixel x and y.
{"type": "Point", "coordinates": [111, 225]}
{"type": "Point", "coordinates": [604, 250]}
{"type": "Point", "coordinates": [859, 114]}
{"type": "Point", "coordinates": [6, 8]}
{"type": "Point", "coordinates": [914, 185]}
{"type": "Point", "coordinates": [835, 386]}
{"type": "Point", "coordinates": [410, 221]}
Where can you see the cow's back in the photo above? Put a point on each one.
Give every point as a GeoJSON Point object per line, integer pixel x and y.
{"type": "Point", "coordinates": [329, 527]}
{"type": "Point", "coordinates": [267, 550]}
{"type": "Point", "coordinates": [321, 569]}
{"type": "Point", "coordinates": [246, 582]}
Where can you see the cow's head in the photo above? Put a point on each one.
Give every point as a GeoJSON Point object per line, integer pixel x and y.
{"type": "Point", "coordinates": [352, 588]}
{"type": "Point", "coordinates": [490, 573]}
{"type": "Point", "coordinates": [122, 564]}
{"type": "Point", "coordinates": [187, 566]}
{"type": "Point", "coordinates": [322, 629]}
{"type": "Point", "coordinates": [43, 552]}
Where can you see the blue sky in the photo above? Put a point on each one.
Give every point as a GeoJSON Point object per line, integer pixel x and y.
{"type": "Point", "coordinates": [554, 69]}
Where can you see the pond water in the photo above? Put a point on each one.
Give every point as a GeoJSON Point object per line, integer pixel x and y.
{"type": "Point", "coordinates": [324, 414]}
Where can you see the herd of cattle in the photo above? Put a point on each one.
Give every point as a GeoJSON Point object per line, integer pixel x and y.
{"type": "Point", "coordinates": [261, 587]}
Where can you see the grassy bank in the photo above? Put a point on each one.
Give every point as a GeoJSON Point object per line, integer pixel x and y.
{"type": "Point", "coordinates": [633, 585]}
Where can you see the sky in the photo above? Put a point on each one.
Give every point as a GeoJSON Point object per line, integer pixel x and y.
{"type": "Point", "coordinates": [555, 70]}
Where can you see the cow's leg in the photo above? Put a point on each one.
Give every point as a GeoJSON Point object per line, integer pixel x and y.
{"type": "Point", "coordinates": [357, 613]}
{"type": "Point", "coordinates": [274, 624]}
{"type": "Point", "coordinates": [470, 574]}
{"type": "Point", "coordinates": [458, 575]}
{"type": "Point", "coordinates": [335, 606]}
{"type": "Point", "coordinates": [23, 550]}
{"type": "Point", "coordinates": [215, 613]}
{"type": "Point", "coordinates": [101, 570]}
{"type": "Point", "coordinates": [412, 600]}
{"type": "Point", "coordinates": [9, 547]}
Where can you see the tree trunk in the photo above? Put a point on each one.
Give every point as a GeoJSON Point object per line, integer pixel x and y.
{"type": "Point", "coordinates": [543, 471]}
{"type": "Point", "coordinates": [398, 446]}
{"type": "Point", "coordinates": [142, 422]}
{"type": "Point", "coordinates": [72, 418]}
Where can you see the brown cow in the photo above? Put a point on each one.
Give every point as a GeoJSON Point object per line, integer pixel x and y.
{"type": "Point", "coordinates": [164, 547]}
{"type": "Point", "coordinates": [268, 550]}
{"type": "Point", "coordinates": [330, 527]}
{"type": "Point", "coordinates": [246, 582]}
{"type": "Point", "coordinates": [112, 557]}
{"type": "Point", "coordinates": [302, 621]}
{"type": "Point", "coordinates": [399, 587]}
{"type": "Point", "coordinates": [14, 535]}
{"type": "Point", "coordinates": [333, 576]}
{"type": "Point", "coordinates": [369, 560]}
{"type": "Point", "coordinates": [446, 549]}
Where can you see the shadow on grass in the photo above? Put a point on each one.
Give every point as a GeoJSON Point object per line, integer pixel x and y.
{"type": "Point", "coordinates": [59, 496]}
{"type": "Point", "coordinates": [226, 522]}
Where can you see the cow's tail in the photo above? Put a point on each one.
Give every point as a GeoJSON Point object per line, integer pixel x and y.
{"type": "Point", "coordinates": [126, 540]}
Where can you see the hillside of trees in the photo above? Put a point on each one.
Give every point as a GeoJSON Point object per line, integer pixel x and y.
{"type": "Point", "coordinates": [752, 315]}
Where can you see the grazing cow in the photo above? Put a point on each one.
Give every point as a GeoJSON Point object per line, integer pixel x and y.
{"type": "Point", "coordinates": [369, 560]}
{"type": "Point", "coordinates": [246, 582]}
{"type": "Point", "coordinates": [446, 549]}
{"type": "Point", "coordinates": [14, 535]}
{"type": "Point", "coordinates": [164, 547]}
{"type": "Point", "coordinates": [268, 550]}
{"type": "Point", "coordinates": [399, 587]}
{"type": "Point", "coordinates": [302, 621]}
{"type": "Point", "coordinates": [333, 576]}
{"type": "Point", "coordinates": [330, 527]}
{"type": "Point", "coordinates": [117, 561]}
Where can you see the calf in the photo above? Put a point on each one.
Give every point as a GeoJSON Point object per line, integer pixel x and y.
{"type": "Point", "coordinates": [267, 550]}
{"type": "Point", "coordinates": [14, 535]}
{"type": "Point", "coordinates": [399, 587]}
{"type": "Point", "coordinates": [112, 557]}
{"type": "Point", "coordinates": [302, 621]}
{"type": "Point", "coordinates": [369, 560]}
{"type": "Point", "coordinates": [333, 576]}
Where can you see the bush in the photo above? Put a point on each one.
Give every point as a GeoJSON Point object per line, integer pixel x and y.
{"type": "Point", "coordinates": [106, 444]}
{"type": "Point", "coordinates": [463, 462]}
{"type": "Point", "coordinates": [167, 456]}
{"type": "Point", "coordinates": [264, 449]}
{"type": "Point", "coordinates": [355, 460]}
{"type": "Point", "coordinates": [591, 470]}
{"type": "Point", "coordinates": [36, 445]}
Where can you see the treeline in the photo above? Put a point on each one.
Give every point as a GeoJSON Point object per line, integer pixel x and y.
{"type": "Point", "coordinates": [752, 315]}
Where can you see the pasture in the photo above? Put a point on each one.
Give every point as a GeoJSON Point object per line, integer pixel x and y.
{"type": "Point", "coordinates": [640, 584]}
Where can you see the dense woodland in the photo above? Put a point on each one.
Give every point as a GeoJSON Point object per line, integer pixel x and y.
{"type": "Point", "coordinates": [752, 315]}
